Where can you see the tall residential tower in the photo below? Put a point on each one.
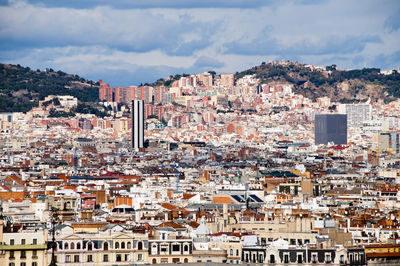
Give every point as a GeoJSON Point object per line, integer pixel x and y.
{"type": "Point", "coordinates": [137, 124]}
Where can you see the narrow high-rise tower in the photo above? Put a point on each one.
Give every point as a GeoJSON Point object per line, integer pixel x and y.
{"type": "Point", "coordinates": [137, 124]}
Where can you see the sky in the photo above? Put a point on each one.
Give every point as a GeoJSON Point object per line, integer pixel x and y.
{"type": "Point", "coordinates": [128, 42]}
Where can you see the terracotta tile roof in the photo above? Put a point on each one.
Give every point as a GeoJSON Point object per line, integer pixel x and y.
{"type": "Point", "coordinates": [188, 196]}
{"type": "Point", "coordinates": [171, 224]}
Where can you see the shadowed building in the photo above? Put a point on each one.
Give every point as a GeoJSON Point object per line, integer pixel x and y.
{"type": "Point", "coordinates": [330, 128]}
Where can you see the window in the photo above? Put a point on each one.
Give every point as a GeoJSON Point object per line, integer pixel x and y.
{"type": "Point", "coordinates": [140, 245]}
{"type": "Point", "coordinates": [237, 252]}
{"type": "Point", "coordinates": [23, 241]}
{"type": "Point", "coordinates": [128, 245]}
{"type": "Point", "coordinates": [23, 264]}
{"type": "Point", "coordinates": [34, 242]}
{"type": "Point", "coordinates": [176, 247]}
{"type": "Point", "coordinates": [260, 258]}
{"type": "Point", "coordinates": [67, 258]}
{"type": "Point", "coordinates": [272, 258]}
{"type": "Point", "coordinates": [12, 241]}
{"type": "Point", "coordinates": [299, 258]}
{"type": "Point", "coordinates": [164, 248]}
{"type": "Point", "coordinates": [314, 258]}
{"type": "Point", "coordinates": [34, 253]}
{"type": "Point", "coordinates": [105, 257]}
{"type": "Point", "coordinates": [90, 246]}
{"type": "Point", "coordinates": [119, 257]}
{"type": "Point", "coordinates": [23, 254]}
{"type": "Point", "coordinates": [66, 246]}
{"type": "Point", "coordinates": [34, 263]}
{"type": "Point", "coordinates": [286, 258]}
{"type": "Point", "coordinates": [72, 245]}
{"type": "Point", "coordinates": [76, 258]}
{"type": "Point", "coordinates": [328, 258]}
{"type": "Point", "coordinates": [154, 249]}
{"type": "Point", "coordinates": [105, 246]}
{"type": "Point", "coordinates": [186, 248]}
{"type": "Point", "coordinates": [78, 246]}
{"type": "Point", "coordinates": [175, 260]}
{"type": "Point", "coordinates": [140, 257]}
{"type": "Point", "coordinates": [231, 252]}
{"type": "Point", "coordinates": [116, 245]}
{"type": "Point", "coordinates": [123, 245]}
{"type": "Point", "coordinates": [90, 258]}
{"type": "Point", "coordinates": [186, 260]}
{"type": "Point", "coordinates": [126, 257]}
{"type": "Point", "coordinates": [341, 259]}
{"type": "Point", "coordinates": [11, 264]}
{"type": "Point", "coordinates": [12, 255]}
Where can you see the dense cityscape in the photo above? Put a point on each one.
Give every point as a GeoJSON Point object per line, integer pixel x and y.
{"type": "Point", "coordinates": [208, 168]}
{"type": "Point", "coordinates": [199, 133]}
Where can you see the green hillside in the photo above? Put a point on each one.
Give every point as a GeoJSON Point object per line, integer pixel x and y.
{"type": "Point", "coordinates": [21, 88]}
{"type": "Point", "coordinates": [339, 85]}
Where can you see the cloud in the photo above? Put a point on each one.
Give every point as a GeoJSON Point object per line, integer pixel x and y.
{"type": "Point", "coordinates": [204, 62]}
{"type": "Point", "coordinates": [393, 22]}
{"type": "Point", "coordinates": [390, 61]}
{"type": "Point", "coordinates": [133, 42]}
{"type": "Point", "coordinates": [116, 67]}
{"type": "Point", "coordinates": [134, 30]}
{"type": "Point", "coordinates": [266, 43]}
{"type": "Point", "coordinates": [146, 4]}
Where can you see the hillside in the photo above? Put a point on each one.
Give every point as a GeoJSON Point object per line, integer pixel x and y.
{"type": "Point", "coordinates": [341, 86]}
{"type": "Point", "coordinates": [21, 88]}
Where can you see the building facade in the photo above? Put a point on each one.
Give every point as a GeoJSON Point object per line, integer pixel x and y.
{"type": "Point", "coordinates": [137, 124]}
{"type": "Point", "coordinates": [330, 128]}
{"type": "Point", "coordinates": [357, 114]}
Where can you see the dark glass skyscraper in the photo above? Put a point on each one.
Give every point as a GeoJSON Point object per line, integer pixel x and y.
{"type": "Point", "coordinates": [330, 128]}
{"type": "Point", "coordinates": [137, 124]}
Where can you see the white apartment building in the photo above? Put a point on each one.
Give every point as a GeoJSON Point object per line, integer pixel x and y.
{"type": "Point", "coordinates": [357, 114]}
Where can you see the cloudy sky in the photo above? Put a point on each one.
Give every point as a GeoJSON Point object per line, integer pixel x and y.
{"type": "Point", "coordinates": [128, 42]}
